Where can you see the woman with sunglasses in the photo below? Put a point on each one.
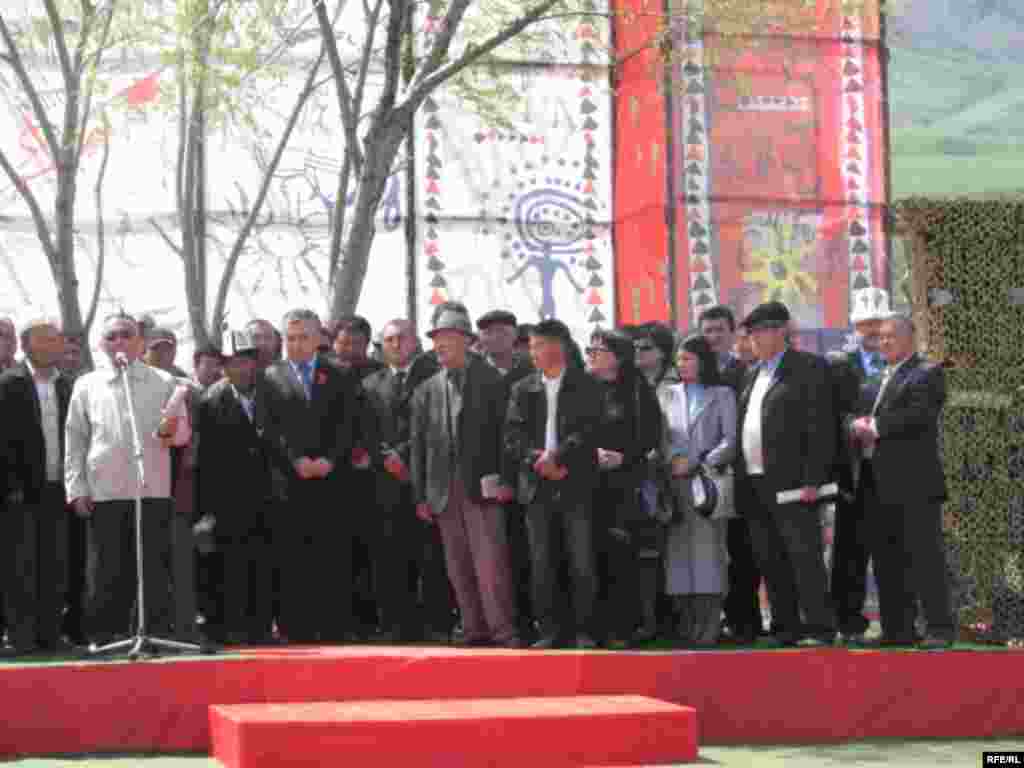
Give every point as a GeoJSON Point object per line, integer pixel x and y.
{"type": "Point", "coordinates": [627, 538]}
{"type": "Point", "coordinates": [700, 419]}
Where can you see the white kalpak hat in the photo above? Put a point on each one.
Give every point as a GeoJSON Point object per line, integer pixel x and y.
{"type": "Point", "coordinates": [869, 304]}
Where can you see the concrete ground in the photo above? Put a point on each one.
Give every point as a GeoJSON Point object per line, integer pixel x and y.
{"type": "Point", "coordinates": [871, 754]}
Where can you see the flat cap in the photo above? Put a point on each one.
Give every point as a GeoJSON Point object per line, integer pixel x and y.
{"type": "Point", "coordinates": [771, 314]}
{"type": "Point", "coordinates": [496, 317]}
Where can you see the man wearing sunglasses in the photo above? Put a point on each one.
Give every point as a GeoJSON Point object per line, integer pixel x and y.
{"type": "Point", "coordinates": [102, 480]}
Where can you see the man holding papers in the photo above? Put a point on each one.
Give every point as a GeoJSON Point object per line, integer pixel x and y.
{"type": "Point", "coordinates": [787, 437]}
{"type": "Point", "coordinates": [455, 464]}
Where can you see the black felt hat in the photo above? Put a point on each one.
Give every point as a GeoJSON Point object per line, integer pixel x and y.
{"type": "Point", "coordinates": [771, 314]}
{"type": "Point", "coordinates": [496, 317]}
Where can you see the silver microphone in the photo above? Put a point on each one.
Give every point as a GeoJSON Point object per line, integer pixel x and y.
{"type": "Point", "coordinates": [121, 360]}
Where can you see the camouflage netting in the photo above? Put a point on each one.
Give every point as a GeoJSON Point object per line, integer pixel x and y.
{"type": "Point", "coordinates": [968, 296]}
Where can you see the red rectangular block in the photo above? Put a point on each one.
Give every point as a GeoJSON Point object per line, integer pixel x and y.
{"type": "Point", "coordinates": [456, 733]}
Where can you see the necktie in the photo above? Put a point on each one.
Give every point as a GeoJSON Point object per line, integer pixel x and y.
{"type": "Point", "coordinates": [306, 369]}
{"type": "Point", "coordinates": [454, 407]}
{"type": "Point", "coordinates": [877, 364]}
{"type": "Point", "coordinates": [400, 384]}
{"type": "Point", "coordinates": [886, 375]}
{"type": "Point", "coordinates": [456, 379]}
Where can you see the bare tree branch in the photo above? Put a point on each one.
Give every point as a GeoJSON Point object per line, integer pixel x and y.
{"type": "Point", "coordinates": [27, 85]}
{"type": "Point", "coordinates": [393, 54]}
{"type": "Point", "coordinates": [338, 223]}
{"type": "Point", "coordinates": [364, 63]}
{"type": "Point", "coordinates": [91, 81]}
{"type": "Point", "coordinates": [94, 302]}
{"type": "Point", "coordinates": [345, 106]}
{"type": "Point", "coordinates": [59, 38]}
{"type": "Point", "coordinates": [179, 175]}
{"type": "Point", "coordinates": [42, 227]}
{"type": "Point", "coordinates": [268, 176]}
{"type": "Point", "coordinates": [432, 74]}
{"type": "Point", "coordinates": [166, 238]}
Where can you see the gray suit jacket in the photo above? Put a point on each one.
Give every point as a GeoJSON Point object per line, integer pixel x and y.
{"type": "Point", "coordinates": [478, 428]}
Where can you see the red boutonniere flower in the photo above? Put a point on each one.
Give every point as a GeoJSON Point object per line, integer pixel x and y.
{"type": "Point", "coordinates": [321, 377]}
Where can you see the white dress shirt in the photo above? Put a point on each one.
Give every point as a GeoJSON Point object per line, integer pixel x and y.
{"type": "Point", "coordinates": [99, 459]}
{"type": "Point", "coordinates": [552, 387]}
{"type": "Point", "coordinates": [869, 449]}
{"type": "Point", "coordinates": [49, 409]}
{"type": "Point", "coordinates": [246, 401]}
{"type": "Point", "coordinates": [753, 446]}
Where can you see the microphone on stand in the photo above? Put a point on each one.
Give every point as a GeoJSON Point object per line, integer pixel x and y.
{"type": "Point", "coordinates": [121, 360]}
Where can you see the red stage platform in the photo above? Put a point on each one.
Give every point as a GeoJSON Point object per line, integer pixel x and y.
{"type": "Point", "coordinates": [753, 697]}
{"type": "Point", "coordinates": [549, 732]}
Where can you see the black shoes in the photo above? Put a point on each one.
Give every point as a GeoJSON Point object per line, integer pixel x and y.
{"type": "Point", "coordinates": [927, 643]}
{"type": "Point", "coordinates": [546, 642]}
{"type": "Point", "coordinates": [935, 643]}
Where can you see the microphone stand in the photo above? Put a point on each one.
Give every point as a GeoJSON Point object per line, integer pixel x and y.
{"type": "Point", "coordinates": [141, 642]}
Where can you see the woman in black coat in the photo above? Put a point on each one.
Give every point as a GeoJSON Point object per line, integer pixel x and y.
{"type": "Point", "coordinates": [627, 536]}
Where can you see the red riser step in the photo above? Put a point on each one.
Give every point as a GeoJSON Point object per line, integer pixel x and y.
{"type": "Point", "coordinates": [543, 732]}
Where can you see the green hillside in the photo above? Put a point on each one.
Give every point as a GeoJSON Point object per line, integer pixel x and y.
{"type": "Point", "coordinates": [957, 117]}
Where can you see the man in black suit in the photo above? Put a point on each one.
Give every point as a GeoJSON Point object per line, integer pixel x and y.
{"type": "Point", "coordinates": [234, 492]}
{"type": "Point", "coordinates": [311, 407]}
{"type": "Point", "coordinates": [33, 523]}
{"type": "Point", "coordinates": [857, 376]}
{"type": "Point", "coordinates": [350, 342]}
{"type": "Point", "coordinates": [904, 487]}
{"type": "Point", "coordinates": [788, 441]}
{"type": "Point", "coordinates": [743, 622]}
{"type": "Point", "coordinates": [718, 325]}
{"type": "Point", "coordinates": [455, 466]}
{"type": "Point", "coordinates": [498, 334]}
{"type": "Point", "coordinates": [270, 346]}
{"type": "Point", "coordinates": [406, 553]}
{"type": "Point", "coordinates": [551, 457]}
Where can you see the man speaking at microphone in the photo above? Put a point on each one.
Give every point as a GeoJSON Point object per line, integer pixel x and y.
{"type": "Point", "coordinates": [102, 481]}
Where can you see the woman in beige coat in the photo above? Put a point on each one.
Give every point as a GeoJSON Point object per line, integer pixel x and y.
{"type": "Point", "coordinates": [700, 415]}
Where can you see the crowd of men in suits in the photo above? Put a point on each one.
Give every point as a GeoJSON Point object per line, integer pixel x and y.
{"type": "Point", "coordinates": [299, 489]}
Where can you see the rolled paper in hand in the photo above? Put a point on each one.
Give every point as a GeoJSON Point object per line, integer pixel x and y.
{"type": "Point", "coordinates": [489, 486]}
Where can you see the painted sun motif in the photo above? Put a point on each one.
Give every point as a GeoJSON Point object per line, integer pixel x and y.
{"type": "Point", "coordinates": [779, 248]}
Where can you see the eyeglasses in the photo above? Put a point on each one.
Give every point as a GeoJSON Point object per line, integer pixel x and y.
{"type": "Point", "coordinates": [643, 347]}
{"type": "Point", "coordinates": [595, 350]}
{"type": "Point", "coordinates": [115, 335]}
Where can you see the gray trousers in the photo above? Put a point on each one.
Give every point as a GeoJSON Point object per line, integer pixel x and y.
{"type": "Point", "coordinates": [477, 557]}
